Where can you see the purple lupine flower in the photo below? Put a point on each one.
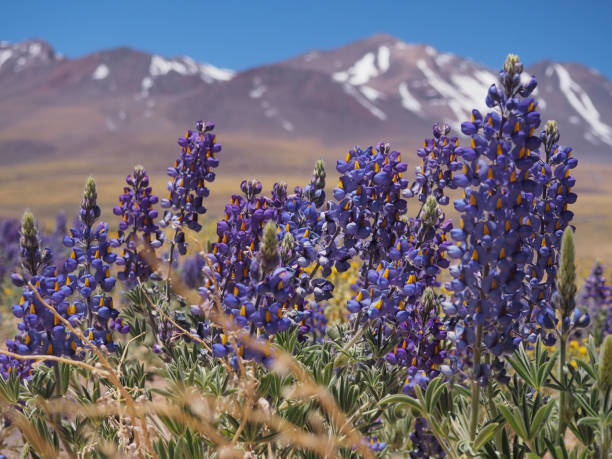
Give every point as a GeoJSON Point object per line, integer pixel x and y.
{"type": "Point", "coordinates": [191, 271]}
{"type": "Point", "coordinates": [9, 246]}
{"type": "Point", "coordinates": [503, 248]}
{"type": "Point", "coordinates": [138, 233]}
{"type": "Point", "coordinates": [260, 261]}
{"type": "Point", "coordinates": [54, 241]}
{"type": "Point", "coordinates": [551, 210]}
{"type": "Point", "coordinates": [188, 177]}
{"type": "Point", "coordinates": [438, 164]}
{"type": "Point", "coordinates": [375, 444]}
{"type": "Point", "coordinates": [40, 332]}
{"type": "Point", "coordinates": [423, 441]}
{"type": "Point", "coordinates": [402, 257]}
{"type": "Point", "coordinates": [91, 259]}
{"type": "Point", "coordinates": [596, 299]}
{"type": "Point", "coordinates": [315, 190]}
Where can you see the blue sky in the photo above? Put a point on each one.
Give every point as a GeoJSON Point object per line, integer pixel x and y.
{"type": "Point", "coordinates": [243, 34]}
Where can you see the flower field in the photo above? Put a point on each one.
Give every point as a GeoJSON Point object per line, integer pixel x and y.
{"type": "Point", "coordinates": [398, 313]}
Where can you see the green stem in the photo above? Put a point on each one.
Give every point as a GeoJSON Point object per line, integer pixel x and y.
{"type": "Point", "coordinates": [169, 273]}
{"type": "Point", "coordinates": [493, 413]}
{"type": "Point", "coordinates": [563, 395]}
{"type": "Point", "coordinates": [605, 441]}
{"type": "Point", "coordinates": [475, 386]}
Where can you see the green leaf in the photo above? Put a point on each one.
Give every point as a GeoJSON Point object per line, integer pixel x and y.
{"type": "Point", "coordinates": [588, 420]}
{"type": "Point", "coordinates": [517, 425]}
{"type": "Point", "coordinates": [588, 368]}
{"type": "Point", "coordinates": [402, 399]}
{"type": "Point", "coordinates": [540, 418]}
{"type": "Point", "coordinates": [485, 434]}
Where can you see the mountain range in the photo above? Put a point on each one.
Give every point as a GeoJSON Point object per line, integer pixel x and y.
{"type": "Point", "coordinates": [111, 109]}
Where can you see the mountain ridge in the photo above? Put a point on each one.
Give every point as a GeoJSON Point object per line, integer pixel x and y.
{"type": "Point", "coordinates": [114, 108]}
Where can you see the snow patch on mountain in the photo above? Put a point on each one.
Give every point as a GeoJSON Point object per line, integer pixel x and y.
{"type": "Point", "coordinates": [145, 85]}
{"type": "Point", "coordinates": [371, 93]}
{"type": "Point", "coordinates": [101, 72]}
{"type": "Point", "coordinates": [187, 66]}
{"type": "Point", "coordinates": [311, 56]}
{"type": "Point", "coordinates": [287, 126]}
{"type": "Point", "coordinates": [384, 58]}
{"type": "Point", "coordinates": [409, 102]}
{"type": "Point", "coordinates": [35, 49]}
{"type": "Point", "coordinates": [258, 89]}
{"type": "Point", "coordinates": [161, 66]}
{"type": "Point", "coordinates": [582, 104]}
{"type": "Point", "coordinates": [443, 59]}
{"type": "Point", "coordinates": [373, 109]}
{"type": "Point", "coordinates": [369, 66]}
{"type": "Point", "coordinates": [5, 55]}
{"type": "Point", "coordinates": [461, 98]}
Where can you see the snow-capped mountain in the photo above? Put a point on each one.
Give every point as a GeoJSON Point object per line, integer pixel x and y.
{"type": "Point", "coordinates": [372, 89]}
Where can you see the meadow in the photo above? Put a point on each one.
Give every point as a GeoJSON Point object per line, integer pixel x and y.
{"type": "Point", "coordinates": [360, 302]}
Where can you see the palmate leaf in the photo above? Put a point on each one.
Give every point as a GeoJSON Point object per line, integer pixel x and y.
{"type": "Point", "coordinates": [433, 393]}
{"type": "Point", "coordinates": [10, 389]}
{"type": "Point", "coordinates": [588, 368]}
{"type": "Point", "coordinates": [536, 372]}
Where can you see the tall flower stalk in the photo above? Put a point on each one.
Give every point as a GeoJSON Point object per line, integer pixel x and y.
{"type": "Point", "coordinates": [90, 260]}
{"type": "Point", "coordinates": [138, 232]}
{"type": "Point", "coordinates": [187, 186]}
{"type": "Point", "coordinates": [496, 225]}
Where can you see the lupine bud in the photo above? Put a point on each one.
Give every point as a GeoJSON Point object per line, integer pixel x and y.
{"type": "Point", "coordinates": [510, 77]}
{"type": "Point", "coordinates": [566, 277]}
{"type": "Point", "coordinates": [250, 188]}
{"type": "Point", "coordinates": [89, 207]}
{"type": "Point", "coordinates": [315, 190]}
{"type": "Point", "coordinates": [30, 250]}
{"type": "Point", "coordinates": [430, 212]}
{"type": "Point", "coordinates": [513, 64]}
{"type": "Point", "coordinates": [550, 135]}
{"type": "Point", "coordinates": [269, 248]}
{"type": "Point", "coordinates": [605, 365]}
{"type": "Point", "coordinates": [430, 302]}
{"type": "Point", "coordinates": [287, 246]}
{"type": "Point", "coordinates": [319, 173]}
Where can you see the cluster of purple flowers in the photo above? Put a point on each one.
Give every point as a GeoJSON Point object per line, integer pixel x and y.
{"type": "Point", "coordinates": [596, 300]}
{"type": "Point", "coordinates": [439, 162]}
{"type": "Point", "coordinates": [187, 185]}
{"type": "Point", "coordinates": [10, 249]}
{"type": "Point", "coordinates": [79, 292]}
{"type": "Point", "coordinates": [40, 332]}
{"type": "Point", "coordinates": [512, 215]}
{"type": "Point", "coordinates": [401, 257]}
{"type": "Point", "coordinates": [138, 233]}
{"type": "Point", "coordinates": [91, 258]}
{"type": "Point", "coordinates": [259, 265]}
